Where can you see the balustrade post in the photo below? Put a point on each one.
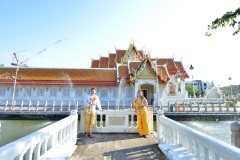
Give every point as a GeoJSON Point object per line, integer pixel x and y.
{"type": "Point", "coordinates": [6, 104]}
{"type": "Point", "coordinates": [159, 127]}
{"type": "Point", "coordinates": [227, 107]}
{"type": "Point", "coordinates": [101, 121]}
{"type": "Point", "coordinates": [45, 105]}
{"type": "Point", "coordinates": [130, 106]}
{"type": "Point", "coordinates": [168, 107]}
{"type": "Point", "coordinates": [61, 106]}
{"type": "Point", "coordinates": [37, 151]}
{"type": "Point", "coordinates": [123, 105]}
{"type": "Point", "coordinates": [235, 136]}
{"type": "Point", "coordinates": [108, 105]}
{"type": "Point", "coordinates": [205, 106]}
{"type": "Point", "coordinates": [183, 104]}
{"type": "Point", "coordinates": [198, 106]}
{"type": "Point", "coordinates": [29, 105]}
{"type": "Point", "coordinates": [213, 108]}
{"type": "Point", "coordinates": [76, 105]}
{"type": "Point", "coordinates": [161, 106]}
{"type": "Point", "coordinates": [234, 107]}
{"type": "Point", "coordinates": [220, 107]}
{"type": "Point", "coordinates": [21, 106]}
{"type": "Point", "coordinates": [69, 105]}
{"type": "Point", "coordinates": [13, 105]}
{"type": "Point", "coordinates": [191, 109]}
{"type": "Point", "coordinates": [37, 105]}
{"type": "Point", "coordinates": [53, 106]}
{"type": "Point", "coordinates": [29, 154]}
{"type": "Point", "coordinates": [132, 120]}
{"type": "Point", "coordinates": [176, 109]}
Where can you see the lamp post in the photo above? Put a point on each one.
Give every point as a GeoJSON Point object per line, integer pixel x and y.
{"type": "Point", "coordinates": [194, 96]}
{"type": "Point", "coordinates": [229, 78]}
{"type": "Point", "coordinates": [18, 64]}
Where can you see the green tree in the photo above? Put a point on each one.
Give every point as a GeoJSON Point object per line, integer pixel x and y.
{"type": "Point", "coordinates": [189, 89]}
{"type": "Point", "coordinates": [228, 18]}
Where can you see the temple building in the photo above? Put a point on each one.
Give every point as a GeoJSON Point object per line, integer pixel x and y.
{"type": "Point", "coordinates": [117, 78]}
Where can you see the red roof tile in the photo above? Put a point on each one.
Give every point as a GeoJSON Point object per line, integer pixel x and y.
{"type": "Point", "coordinates": [95, 64]}
{"type": "Point", "coordinates": [103, 62]}
{"type": "Point", "coordinates": [48, 76]}
{"type": "Point", "coordinates": [112, 58]}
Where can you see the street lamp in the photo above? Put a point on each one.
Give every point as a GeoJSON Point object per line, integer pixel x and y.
{"type": "Point", "coordinates": [192, 68]}
{"type": "Point", "coordinates": [18, 64]}
{"type": "Point", "coordinates": [229, 78]}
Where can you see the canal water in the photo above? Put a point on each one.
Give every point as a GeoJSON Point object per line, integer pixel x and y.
{"type": "Point", "coordinates": [218, 129]}
{"type": "Point", "coordinates": [11, 130]}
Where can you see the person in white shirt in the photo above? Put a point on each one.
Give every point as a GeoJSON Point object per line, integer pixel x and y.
{"type": "Point", "coordinates": [90, 103]}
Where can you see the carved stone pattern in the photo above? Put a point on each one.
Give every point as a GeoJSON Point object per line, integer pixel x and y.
{"type": "Point", "coordinates": [146, 73]}
{"type": "Point", "coordinates": [132, 56]}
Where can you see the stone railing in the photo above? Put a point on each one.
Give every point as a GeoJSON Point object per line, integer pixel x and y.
{"type": "Point", "coordinates": [180, 141]}
{"type": "Point", "coordinates": [199, 107]}
{"type": "Point", "coordinates": [186, 100]}
{"type": "Point", "coordinates": [117, 121]}
{"type": "Point", "coordinates": [38, 144]}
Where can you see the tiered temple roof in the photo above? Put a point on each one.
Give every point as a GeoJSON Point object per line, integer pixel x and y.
{"type": "Point", "coordinates": [130, 64]}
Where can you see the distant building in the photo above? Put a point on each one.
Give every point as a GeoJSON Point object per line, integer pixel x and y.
{"type": "Point", "coordinates": [201, 85]}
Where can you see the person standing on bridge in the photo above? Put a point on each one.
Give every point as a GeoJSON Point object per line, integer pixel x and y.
{"type": "Point", "coordinates": [90, 103]}
{"type": "Point", "coordinates": [140, 105]}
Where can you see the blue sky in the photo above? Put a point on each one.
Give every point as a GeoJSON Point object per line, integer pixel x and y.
{"type": "Point", "coordinates": [66, 34]}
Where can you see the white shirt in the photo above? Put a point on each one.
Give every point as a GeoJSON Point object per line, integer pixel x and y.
{"type": "Point", "coordinates": [96, 102]}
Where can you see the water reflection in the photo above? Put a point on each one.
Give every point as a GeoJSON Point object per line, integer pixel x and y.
{"type": "Point", "coordinates": [11, 130]}
{"type": "Point", "coordinates": [218, 129]}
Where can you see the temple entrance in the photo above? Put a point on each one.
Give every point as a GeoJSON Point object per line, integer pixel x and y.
{"type": "Point", "coordinates": [145, 94]}
{"type": "Point", "coordinates": [148, 93]}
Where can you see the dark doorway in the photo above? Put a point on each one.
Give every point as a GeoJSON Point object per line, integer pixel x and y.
{"type": "Point", "coordinates": [145, 94]}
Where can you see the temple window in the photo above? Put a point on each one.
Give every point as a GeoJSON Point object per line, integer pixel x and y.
{"type": "Point", "coordinates": [40, 92]}
{"type": "Point", "coordinates": [104, 92]}
{"type": "Point", "coordinates": [2, 92]}
{"type": "Point", "coordinates": [78, 92]}
{"type": "Point", "coordinates": [115, 92]}
{"type": "Point", "coordinates": [53, 92]}
{"type": "Point", "coordinates": [16, 92]}
{"type": "Point", "coordinates": [27, 92]}
{"type": "Point", "coordinates": [129, 92]}
{"type": "Point", "coordinates": [65, 92]}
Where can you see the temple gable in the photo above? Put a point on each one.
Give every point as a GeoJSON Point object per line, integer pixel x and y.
{"type": "Point", "coordinates": [131, 54]}
{"type": "Point", "coordinates": [146, 73]}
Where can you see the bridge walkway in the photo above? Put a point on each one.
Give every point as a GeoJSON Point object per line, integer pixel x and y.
{"type": "Point", "coordinates": [106, 146]}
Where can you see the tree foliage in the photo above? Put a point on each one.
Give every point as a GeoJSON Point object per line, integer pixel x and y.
{"type": "Point", "coordinates": [229, 18]}
{"type": "Point", "coordinates": [189, 89]}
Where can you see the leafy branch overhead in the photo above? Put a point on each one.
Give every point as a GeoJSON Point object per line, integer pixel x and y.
{"type": "Point", "coordinates": [228, 18]}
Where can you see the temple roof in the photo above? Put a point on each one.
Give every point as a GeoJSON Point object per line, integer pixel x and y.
{"type": "Point", "coordinates": [103, 62]}
{"type": "Point", "coordinates": [131, 64]}
{"type": "Point", "coordinates": [112, 63]}
{"type": "Point", "coordinates": [51, 76]}
{"type": "Point", "coordinates": [171, 66]}
{"type": "Point", "coordinates": [182, 72]}
{"type": "Point", "coordinates": [95, 63]}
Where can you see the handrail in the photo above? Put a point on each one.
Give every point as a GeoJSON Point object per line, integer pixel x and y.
{"type": "Point", "coordinates": [199, 144]}
{"type": "Point", "coordinates": [37, 143]}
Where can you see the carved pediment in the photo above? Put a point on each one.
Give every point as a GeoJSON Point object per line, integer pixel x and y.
{"type": "Point", "coordinates": [146, 73]}
{"type": "Point", "coordinates": [131, 54]}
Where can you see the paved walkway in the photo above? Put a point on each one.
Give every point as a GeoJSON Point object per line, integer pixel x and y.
{"type": "Point", "coordinates": [117, 147]}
